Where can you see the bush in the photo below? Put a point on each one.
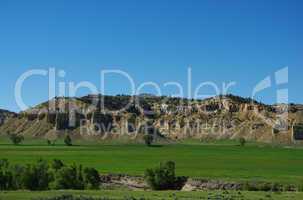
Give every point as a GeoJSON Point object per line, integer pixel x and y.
{"type": "Point", "coordinates": [5, 175]}
{"type": "Point", "coordinates": [162, 177]}
{"type": "Point", "coordinates": [37, 176]}
{"type": "Point", "coordinates": [51, 142]}
{"type": "Point", "coordinates": [69, 177]}
{"type": "Point", "coordinates": [16, 139]}
{"type": "Point", "coordinates": [91, 178]}
{"type": "Point", "coordinates": [57, 164]}
{"type": "Point", "coordinates": [242, 142]}
{"type": "Point", "coordinates": [290, 188]}
{"type": "Point", "coordinates": [277, 187]}
{"type": "Point", "coordinates": [300, 186]}
{"type": "Point", "coordinates": [263, 186]}
{"type": "Point", "coordinates": [148, 139]}
{"type": "Point", "coordinates": [17, 178]}
{"type": "Point", "coordinates": [68, 141]}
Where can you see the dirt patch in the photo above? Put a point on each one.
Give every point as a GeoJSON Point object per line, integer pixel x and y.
{"type": "Point", "coordinates": [198, 185]}
{"type": "Point", "coordinates": [121, 180]}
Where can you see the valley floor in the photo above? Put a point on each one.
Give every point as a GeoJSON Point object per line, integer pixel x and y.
{"type": "Point", "coordinates": [225, 160]}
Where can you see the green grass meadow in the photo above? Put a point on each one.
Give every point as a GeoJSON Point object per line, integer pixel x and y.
{"type": "Point", "coordinates": [222, 160]}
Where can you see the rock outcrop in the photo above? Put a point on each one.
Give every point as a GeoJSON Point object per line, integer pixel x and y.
{"type": "Point", "coordinates": [4, 115]}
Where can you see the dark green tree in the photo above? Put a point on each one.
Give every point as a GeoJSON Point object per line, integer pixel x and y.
{"type": "Point", "coordinates": [68, 178]}
{"type": "Point", "coordinates": [6, 177]}
{"type": "Point", "coordinates": [148, 139]}
{"type": "Point", "coordinates": [57, 164]}
{"type": "Point", "coordinates": [162, 177]}
{"type": "Point", "coordinates": [91, 178]}
{"type": "Point", "coordinates": [16, 139]}
{"type": "Point", "coordinates": [68, 140]}
{"type": "Point", "coordinates": [37, 176]}
{"type": "Point", "coordinates": [242, 142]}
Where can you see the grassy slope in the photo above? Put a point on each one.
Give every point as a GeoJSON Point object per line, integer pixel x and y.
{"type": "Point", "coordinates": [223, 161]}
{"type": "Point", "coordinates": [24, 195]}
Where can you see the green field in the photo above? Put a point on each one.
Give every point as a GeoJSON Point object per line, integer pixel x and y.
{"type": "Point", "coordinates": [222, 160]}
{"type": "Point", "coordinates": [23, 195]}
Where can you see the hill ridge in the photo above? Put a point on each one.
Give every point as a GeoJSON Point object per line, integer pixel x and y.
{"type": "Point", "coordinates": [223, 116]}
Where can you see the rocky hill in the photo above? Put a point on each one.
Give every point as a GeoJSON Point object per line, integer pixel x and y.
{"type": "Point", "coordinates": [103, 117]}
{"type": "Point", "coordinates": [4, 115]}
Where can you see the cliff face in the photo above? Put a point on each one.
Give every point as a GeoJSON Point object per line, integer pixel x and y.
{"type": "Point", "coordinates": [175, 118]}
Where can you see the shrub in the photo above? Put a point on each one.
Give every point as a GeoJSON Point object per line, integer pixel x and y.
{"type": "Point", "coordinates": [289, 188]}
{"type": "Point", "coordinates": [69, 177]}
{"type": "Point", "coordinates": [277, 187]}
{"type": "Point", "coordinates": [263, 186]}
{"type": "Point", "coordinates": [162, 177]}
{"type": "Point", "coordinates": [242, 142]}
{"type": "Point", "coordinates": [5, 175]}
{"type": "Point", "coordinates": [37, 177]}
{"type": "Point", "coordinates": [16, 139]}
{"type": "Point", "coordinates": [300, 187]}
{"type": "Point", "coordinates": [91, 178]}
{"type": "Point", "coordinates": [57, 164]}
{"type": "Point", "coordinates": [257, 186]}
{"type": "Point", "coordinates": [68, 141]}
{"type": "Point", "coordinates": [18, 177]}
{"type": "Point", "coordinates": [51, 142]}
{"type": "Point", "coordinates": [148, 139]}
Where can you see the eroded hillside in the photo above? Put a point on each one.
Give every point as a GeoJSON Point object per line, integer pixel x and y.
{"type": "Point", "coordinates": [102, 117]}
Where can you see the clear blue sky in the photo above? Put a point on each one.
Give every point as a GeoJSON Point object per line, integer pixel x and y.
{"type": "Point", "coordinates": [236, 40]}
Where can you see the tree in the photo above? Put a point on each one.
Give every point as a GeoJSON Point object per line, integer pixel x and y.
{"type": "Point", "coordinates": [37, 176]}
{"type": "Point", "coordinates": [42, 176]}
{"type": "Point", "coordinates": [68, 140]}
{"type": "Point", "coordinates": [300, 186]}
{"type": "Point", "coordinates": [162, 177]}
{"type": "Point", "coordinates": [57, 164]}
{"type": "Point", "coordinates": [5, 175]}
{"type": "Point", "coordinates": [91, 178]}
{"type": "Point", "coordinates": [18, 177]}
{"type": "Point", "coordinates": [16, 139]}
{"type": "Point", "coordinates": [242, 141]}
{"type": "Point", "coordinates": [68, 178]}
{"type": "Point", "coordinates": [51, 142]}
{"type": "Point", "coordinates": [148, 139]}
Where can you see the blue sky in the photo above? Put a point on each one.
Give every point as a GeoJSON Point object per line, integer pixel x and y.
{"type": "Point", "coordinates": [222, 41]}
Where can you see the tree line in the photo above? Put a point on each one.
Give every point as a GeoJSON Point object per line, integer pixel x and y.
{"type": "Point", "coordinates": [56, 175]}
{"type": "Point", "coordinates": [43, 175]}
